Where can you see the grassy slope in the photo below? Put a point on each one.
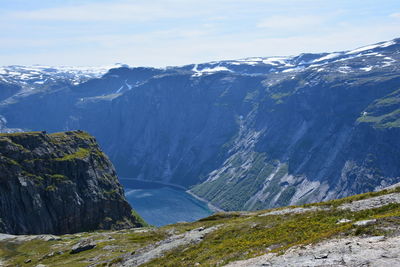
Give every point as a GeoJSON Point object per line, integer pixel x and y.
{"type": "Point", "coordinates": [240, 236]}
{"type": "Point", "coordinates": [384, 112]}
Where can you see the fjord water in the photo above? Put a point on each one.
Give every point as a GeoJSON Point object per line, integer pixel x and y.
{"type": "Point", "coordinates": [161, 205]}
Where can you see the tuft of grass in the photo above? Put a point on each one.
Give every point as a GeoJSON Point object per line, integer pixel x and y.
{"type": "Point", "coordinates": [384, 112]}
{"type": "Point", "coordinates": [51, 188]}
{"type": "Point", "coordinates": [20, 134]}
{"type": "Point", "coordinates": [12, 161]}
{"type": "Point", "coordinates": [139, 218]}
{"type": "Point", "coordinates": [124, 241]}
{"type": "Point", "coordinates": [79, 133]}
{"type": "Point", "coordinates": [58, 177]}
{"type": "Point", "coordinates": [81, 153]}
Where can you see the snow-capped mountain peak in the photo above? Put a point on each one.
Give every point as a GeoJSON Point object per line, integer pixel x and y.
{"type": "Point", "coordinates": [375, 56]}
{"type": "Point", "coordinates": [42, 74]}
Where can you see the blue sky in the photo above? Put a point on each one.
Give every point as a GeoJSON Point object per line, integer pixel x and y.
{"type": "Point", "coordinates": [177, 32]}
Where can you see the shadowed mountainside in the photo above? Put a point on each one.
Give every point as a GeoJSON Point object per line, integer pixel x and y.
{"type": "Point", "coordinates": [242, 134]}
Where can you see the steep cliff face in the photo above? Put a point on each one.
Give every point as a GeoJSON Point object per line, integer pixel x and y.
{"type": "Point", "coordinates": [244, 134]}
{"type": "Point", "coordinates": [59, 183]}
{"type": "Point", "coordinates": [320, 140]}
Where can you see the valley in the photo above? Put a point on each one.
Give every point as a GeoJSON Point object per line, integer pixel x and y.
{"type": "Point", "coordinates": [160, 205]}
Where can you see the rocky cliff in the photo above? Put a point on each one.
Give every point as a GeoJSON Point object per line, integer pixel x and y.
{"type": "Point", "coordinates": [59, 183]}
{"type": "Point", "coordinates": [243, 134]}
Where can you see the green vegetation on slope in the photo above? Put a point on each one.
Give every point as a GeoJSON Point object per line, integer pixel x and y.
{"type": "Point", "coordinates": [236, 187]}
{"type": "Point", "coordinates": [81, 153]}
{"type": "Point", "coordinates": [384, 112]}
{"type": "Point", "coordinates": [245, 184]}
{"type": "Point", "coordinates": [250, 235]}
{"type": "Point", "coordinates": [20, 134]}
{"type": "Point", "coordinates": [36, 250]}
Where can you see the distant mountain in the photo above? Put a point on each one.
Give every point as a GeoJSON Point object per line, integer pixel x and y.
{"type": "Point", "coordinates": [244, 134]}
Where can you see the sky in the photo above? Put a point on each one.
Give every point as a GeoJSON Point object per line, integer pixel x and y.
{"type": "Point", "coordinates": [163, 33]}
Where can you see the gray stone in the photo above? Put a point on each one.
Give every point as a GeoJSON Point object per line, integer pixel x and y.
{"type": "Point", "coordinates": [371, 203]}
{"type": "Point", "coordinates": [49, 237]}
{"type": "Point", "coordinates": [83, 245]}
{"type": "Point", "coordinates": [365, 222]}
{"type": "Point", "coordinates": [350, 251]}
{"type": "Point", "coordinates": [293, 211]}
{"type": "Point", "coordinates": [150, 252]}
{"type": "Point", "coordinates": [344, 220]}
{"type": "Point", "coordinates": [322, 255]}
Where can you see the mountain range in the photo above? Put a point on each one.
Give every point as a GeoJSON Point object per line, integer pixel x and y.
{"type": "Point", "coordinates": [242, 134]}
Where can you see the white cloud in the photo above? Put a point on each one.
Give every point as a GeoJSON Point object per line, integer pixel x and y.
{"type": "Point", "coordinates": [124, 10]}
{"type": "Point", "coordinates": [175, 32]}
{"type": "Point", "coordinates": [395, 15]}
{"type": "Point", "coordinates": [99, 12]}
{"type": "Point", "coordinates": [156, 49]}
{"type": "Point", "coordinates": [290, 22]}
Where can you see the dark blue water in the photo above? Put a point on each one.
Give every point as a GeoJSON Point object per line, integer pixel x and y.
{"type": "Point", "coordinates": [160, 205]}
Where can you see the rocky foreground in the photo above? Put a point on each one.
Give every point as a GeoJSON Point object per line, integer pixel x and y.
{"type": "Point", "coordinates": [59, 183]}
{"type": "Point", "coordinates": [363, 230]}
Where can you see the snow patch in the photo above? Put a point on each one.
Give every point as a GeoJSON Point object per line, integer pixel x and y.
{"type": "Point", "coordinates": [374, 54]}
{"type": "Point", "coordinates": [119, 90]}
{"type": "Point", "coordinates": [128, 85]}
{"type": "Point", "coordinates": [344, 69]}
{"type": "Point", "coordinates": [248, 61]}
{"type": "Point", "coordinates": [369, 68]}
{"type": "Point", "coordinates": [290, 70]}
{"type": "Point", "coordinates": [293, 69]}
{"type": "Point", "coordinates": [276, 61]}
{"type": "Point", "coordinates": [209, 70]}
{"type": "Point", "coordinates": [387, 63]}
{"type": "Point", "coordinates": [369, 47]}
{"type": "Point", "coordinates": [25, 76]}
{"type": "Point", "coordinates": [330, 56]}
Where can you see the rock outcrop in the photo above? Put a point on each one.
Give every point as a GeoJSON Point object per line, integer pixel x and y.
{"type": "Point", "coordinates": [352, 251]}
{"type": "Point", "coordinates": [59, 183]}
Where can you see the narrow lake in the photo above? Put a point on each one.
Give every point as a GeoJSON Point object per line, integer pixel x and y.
{"type": "Point", "coordinates": [160, 205]}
